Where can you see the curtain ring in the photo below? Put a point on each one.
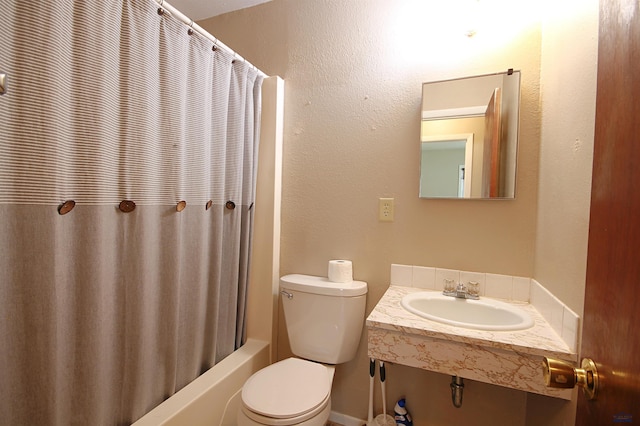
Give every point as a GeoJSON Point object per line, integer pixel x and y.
{"type": "Point", "coordinates": [208, 205]}
{"type": "Point", "coordinates": [66, 207]}
{"type": "Point", "coordinates": [190, 30]}
{"type": "Point", "coordinates": [230, 205]}
{"type": "Point", "coordinates": [160, 11]}
{"type": "Point", "coordinates": [127, 206]}
{"type": "Point", "coordinates": [181, 205]}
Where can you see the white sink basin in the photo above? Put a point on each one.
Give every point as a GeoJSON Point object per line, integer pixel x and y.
{"type": "Point", "coordinates": [483, 314]}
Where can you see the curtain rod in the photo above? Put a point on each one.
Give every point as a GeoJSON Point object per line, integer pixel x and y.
{"type": "Point", "coordinates": [197, 28]}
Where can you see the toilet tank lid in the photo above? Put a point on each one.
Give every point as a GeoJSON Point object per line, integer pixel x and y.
{"type": "Point", "coordinates": [322, 285]}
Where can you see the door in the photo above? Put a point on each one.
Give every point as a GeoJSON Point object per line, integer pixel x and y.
{"type": "Point", "coordinates": [611, 331]}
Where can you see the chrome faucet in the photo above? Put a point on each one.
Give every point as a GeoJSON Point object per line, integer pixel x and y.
{"type": "Point", "coordinates": [462, 292]}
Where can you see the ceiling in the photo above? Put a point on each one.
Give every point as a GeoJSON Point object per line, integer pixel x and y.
{"type": "Point", "coordinates": [201, 9]}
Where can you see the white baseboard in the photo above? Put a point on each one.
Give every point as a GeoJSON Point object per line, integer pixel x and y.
{"type": "Point", "coordinates": [345, 420]}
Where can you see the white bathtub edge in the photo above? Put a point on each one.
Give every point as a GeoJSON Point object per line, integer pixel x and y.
{"type": "Point", "coordinates": [204, 400]}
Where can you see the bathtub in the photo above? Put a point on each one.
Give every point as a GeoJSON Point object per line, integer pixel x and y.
{"type": "Point", "coordinates": [212, 398]}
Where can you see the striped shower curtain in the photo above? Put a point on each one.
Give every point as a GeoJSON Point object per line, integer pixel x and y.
{"type": "Point", "coordinates": [127, 178]}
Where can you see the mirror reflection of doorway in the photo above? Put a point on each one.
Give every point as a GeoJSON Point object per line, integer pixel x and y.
{"type": "Point", "coordinates": [446, 161]}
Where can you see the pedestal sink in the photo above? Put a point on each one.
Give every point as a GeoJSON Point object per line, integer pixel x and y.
{"type": "Point", "coordinates": [483, 314]}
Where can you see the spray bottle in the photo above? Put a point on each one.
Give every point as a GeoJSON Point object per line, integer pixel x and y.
{"type": "Point", "coordinates": [402, 416]}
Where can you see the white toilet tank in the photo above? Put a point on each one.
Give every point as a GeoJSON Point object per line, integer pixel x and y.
{"type": "Point", "coordinates": [324, 319]}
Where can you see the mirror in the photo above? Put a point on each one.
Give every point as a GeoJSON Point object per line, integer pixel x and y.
{"type": "Point", "coordinates": [469, 137]}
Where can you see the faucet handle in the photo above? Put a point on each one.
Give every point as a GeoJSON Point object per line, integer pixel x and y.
{"type": "Point", "coordinates": [449, 288]}
{"type": "Point", "coordinates": [473, 288]}
{"type": "Point", "coordinates": [449, 285]}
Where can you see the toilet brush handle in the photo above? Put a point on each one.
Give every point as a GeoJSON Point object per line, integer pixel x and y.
{"type": "Point", "coordinates": [384, 391]}
{"type": "Point", "coordinates": [372, 372]}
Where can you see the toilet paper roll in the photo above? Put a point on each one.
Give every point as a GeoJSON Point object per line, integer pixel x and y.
{"type": "Point", "coordinates": [340, 271]}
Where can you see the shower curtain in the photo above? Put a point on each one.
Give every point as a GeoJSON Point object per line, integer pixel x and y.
{"type": "Point", "coordinates": [127, 176]}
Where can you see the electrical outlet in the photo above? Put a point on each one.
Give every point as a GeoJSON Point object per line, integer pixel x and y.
{"type": "Point", "coordinates": [385, 209]}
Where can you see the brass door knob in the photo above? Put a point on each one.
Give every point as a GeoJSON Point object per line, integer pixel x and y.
{"type": "Point", "coordinates": [561, 374]}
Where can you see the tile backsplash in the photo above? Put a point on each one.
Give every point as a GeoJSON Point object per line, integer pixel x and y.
{"type": "Point", "coordinates": [563, 320]}
{"type": "Point", "coordinates": [491, 285]}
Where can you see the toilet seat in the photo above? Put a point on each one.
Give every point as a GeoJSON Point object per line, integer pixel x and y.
{"type": "Point", "coordinates": [287, 392]}
{"type": "Point", "coordinates": [310, 418]}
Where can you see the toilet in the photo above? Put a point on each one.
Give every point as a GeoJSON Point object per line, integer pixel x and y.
{"type": "Point", "coordinates": [324, 322]}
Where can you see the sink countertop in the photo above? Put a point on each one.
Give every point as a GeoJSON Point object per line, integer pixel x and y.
{"type": "Point", "coordinates": [539, 340]}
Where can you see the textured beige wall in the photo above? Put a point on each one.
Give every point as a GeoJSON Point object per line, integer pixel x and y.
{"type": "Point", "coordinates": [353, 71]}
{"type": "Point", "coordinates": [568, 79]}
{"type": "Point", "coordinates": [568, 94]}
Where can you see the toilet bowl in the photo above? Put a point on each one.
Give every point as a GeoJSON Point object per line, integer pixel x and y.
{"type": "Point", "coordinates": [324, 322]}
{"type": "Point", "coordinates": [289, 392]}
